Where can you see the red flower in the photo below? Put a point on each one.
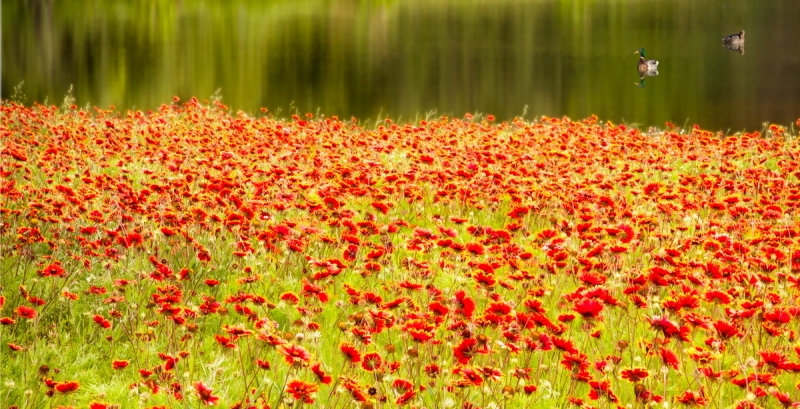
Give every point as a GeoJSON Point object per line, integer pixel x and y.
{"type": "Point", "coordinates": [350, 253]}
{"type": "Point", "coordinates": [634, 374]}
{"type": "Point", "coordinates": [67, 387]}
{"type": "Point", "coordinates": [118, 364]}
{"type": "Point", "coordinates": [294, 354]}
{"type": "Point", "coordinates": [465, 305]}
{"type": "Point", "coordinates": [405, 398]}
{"type": "Point", "coordinates": [602, 389]}
{"type": "Point", "coordinates": [773, 359]}
{"type": "Point", "coordinates": [717, 296]}
{"type": "Point", "coordinates": [26, 312]}
{"type": "Point", "coordinates": [402, 385]}
{"type": "Point", "coordinates": [669, 358]}
{"type": "Point", "coordinates": [371, 362]}
{"type": "Point", "coordinates": [350, 352]}
{"type": "Point", "coordinates": [290, 298]}
{"type": "Point", "coordinates": [101, 321]}
{"type": "Point", "coordinates": [726, 330]}
{"type": "Point", "coordinates": [667, 327]}
{"type": "Point", "coordinates": [382, 207]}
{"type": "Point", "coordinates": [576, 362]}
{"type": "Point", "coordinates": [130, 240]}
{"type": "Point", "coordinates": [518, 212]}
{"type": "Point", "coordinates": [588, 308]}
{"type": "Point", "coordinates": [432, 370]}
{"type": "Point", "coordinates": [301, 390]}
{"type": "Point", "coordinates": [471, 376]}
{"type": "Point", "coordinates": [629, 233]}
{"type": "Point", "coordinates": [692, 398]}
{"type": "Point", "coordinates": [54, 269]}
{"type": "Point", "coordinates": [475, 248]}
{"type": "Point", "coordinates": [321, 376]}
{"type": "Point", "coordinates": [204, 393]}
{"type": "Point", "coordinates": [355, 389]}
{"type": "Point", "coordinates": [466, 350]}
{"type": "Point", "coordinates": [565, 345]}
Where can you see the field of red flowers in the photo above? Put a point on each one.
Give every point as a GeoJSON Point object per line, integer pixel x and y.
{"type": "Point", "coordinates": [192, 257]}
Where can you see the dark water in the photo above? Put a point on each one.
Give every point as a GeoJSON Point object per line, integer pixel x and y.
{"type": "Point", "coordinates": [408, 58]}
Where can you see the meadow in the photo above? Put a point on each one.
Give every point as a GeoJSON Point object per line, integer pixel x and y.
{"type": "Point", "coordinates": [193, 256]}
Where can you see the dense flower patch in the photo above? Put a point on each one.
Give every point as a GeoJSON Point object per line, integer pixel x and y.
{"type": "Point", "coordinates": [189, 257]}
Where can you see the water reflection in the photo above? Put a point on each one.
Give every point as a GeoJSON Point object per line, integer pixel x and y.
{"type": "Point", "coordinates": [408, 58]}
{"type": "Point", "coordinates": [735, 47]}
{"type": "Point", "coordinates": [646, 73]}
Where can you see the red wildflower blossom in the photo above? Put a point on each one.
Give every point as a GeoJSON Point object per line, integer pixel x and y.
{"type": "Point", "coordinates": [322, 377]}
{"type": "Point", "coordinates": [301, 390]}
{"type": "Point", "coordinates": [26, 312]}
{"type": "Point", "coordinates": [67, 387]}
{"type": "Point", "coordinates": [371, 362]}
{"type": "Point", "coordinates": [565, 345]}
{"type": "Point", "coordinates": [669, 358]}
{"type": "Point", "coordinates": [205, 394]}
{"type": "Point", "coordinates": [290, 298]}
{"type": "Point", "coordinates": [692, 398]}
{"type": "Point", "coordinates": [465, 305]}
{"type": "Point", "coordinates": [575, 362]}
{"type": "Point", "coordinates": [726, 330]}
{"type": "Point", "coordinates": [773, 359]}
{"type": "Point", "coordinates": [130, 240]}
{"type": "Point", "coordinates": [53, 270]}
{"type": "Point", "coordinates": [382, 207]}
{"type": "Point", "coordinates": [667, 327]}
{"type": "Point", "coordinates": [402, 385]}
{"type": "Point", "coordinates": [600, 389]}
{"type": "Point", "coordinates": [101, 321]}
{"type": "Point", "coordinates": [355, 389]}
{"type": "Point", "coordinates": [405, 398]}
{"type": "Point", "coordinates": [294, 354]}
{"type": "Point", "coordinates": [588, 308]}
{"type": "Point", "coordinates": [350, 352]}
{"type": "Point", "coordinates": [475, 248]}
{"type": "Point", "coordinates": [518, 212]}
{"type": "Point", "coordinates": [432, 370]}
{"type": "Point", "coordinates": [119, 364]}
{"type": "Point", "coordinates": [629, 233]}
{"type": "Point", "coordinates": [465, 350]}
{"type": "Point", "coordinates": [717, 296]}
{"type": "Point", "coordinates": [634, 374]}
